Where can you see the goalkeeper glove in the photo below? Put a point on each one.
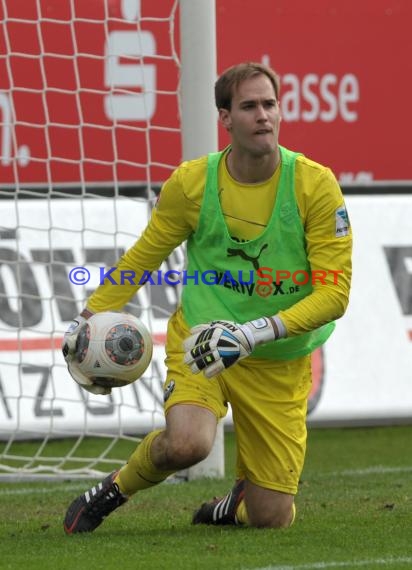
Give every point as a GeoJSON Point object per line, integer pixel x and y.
{"type": "Point", "coordinates": [220, 344]}
{"type": "Point", "coordinates": [69, 354]}
{"type": "Point", "coordinates": [70, 338]}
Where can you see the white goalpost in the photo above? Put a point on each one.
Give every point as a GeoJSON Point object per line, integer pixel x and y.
{"type": "Point", "coordinates": [199, 131]}
{"type": "Point", "coordinates": [99, 102]}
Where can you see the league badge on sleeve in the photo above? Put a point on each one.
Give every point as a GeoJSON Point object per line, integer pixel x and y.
{"type": "Point", "coordinates": [342, 222]}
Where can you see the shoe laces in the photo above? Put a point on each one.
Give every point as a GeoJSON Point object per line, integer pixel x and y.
{"type": "Point", "coordinates": [111, 496]}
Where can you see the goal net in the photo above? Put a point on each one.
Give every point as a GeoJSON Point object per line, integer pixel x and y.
{"type": "Point", "coordinates": [90, 128]}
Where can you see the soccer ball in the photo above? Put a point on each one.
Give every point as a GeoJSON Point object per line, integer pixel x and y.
{"type": "Point", "coordinates": [113, 349]}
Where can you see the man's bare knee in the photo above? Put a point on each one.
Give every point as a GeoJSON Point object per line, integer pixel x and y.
{"type": "Point", "coordinates": [188, 450]}
{"type": "Point", "coordinates": [271, 520]}
{"type": "Point", "coordinates": [174, 452]}
{"type": "Point", "coordinates": [187, 439]}
{"type": "Point", "coordinates": [267, 508]}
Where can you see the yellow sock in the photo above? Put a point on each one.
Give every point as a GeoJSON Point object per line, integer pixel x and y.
{"type": "Point", "coordinates": [293, 514]}
{"type": "Point", "coordinates": [241, 513]}
{"type": "Point", "coordinates": [140, 473]}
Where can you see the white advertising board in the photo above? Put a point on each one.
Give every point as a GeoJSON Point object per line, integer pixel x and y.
{"type": "Point", "coordinates": [37, 395]}
{"type": "Point", "coordinates": [368, 359]}
{"type": "Point", "coordinates": [365, 369]}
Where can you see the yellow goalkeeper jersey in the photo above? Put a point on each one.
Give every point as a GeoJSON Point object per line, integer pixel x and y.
{"type": "Point", "coordinates": [247, 209]}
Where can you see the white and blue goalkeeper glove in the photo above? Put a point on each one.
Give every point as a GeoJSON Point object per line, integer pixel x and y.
{"type": "Point", "coordinates": [70, 338]}
{"type": "Point", "coordinates": [215, 346]}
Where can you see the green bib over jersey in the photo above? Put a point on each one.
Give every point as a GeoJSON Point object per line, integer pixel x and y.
{"type": "Point", "coordinates": [223, 274]}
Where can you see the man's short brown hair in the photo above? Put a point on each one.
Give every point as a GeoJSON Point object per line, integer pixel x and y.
{"type": "Point", "coordinates": [232, 77]}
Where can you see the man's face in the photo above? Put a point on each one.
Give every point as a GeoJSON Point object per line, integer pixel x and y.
{"type": "Point", "coordinates": [254, 119]}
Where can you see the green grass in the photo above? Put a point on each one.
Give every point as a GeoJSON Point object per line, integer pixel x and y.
{"type": "Point", "coordinates": [354, 510]}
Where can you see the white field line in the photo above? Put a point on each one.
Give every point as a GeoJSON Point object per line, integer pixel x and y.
{"type": "Point", "coordinates": [349, 564]}
{"type": "Point", "coordinates": [53, 488]}
{"type": "Point", "coordinates": [374, 470]}
{"type": "Point", "coordinates": [56, 487]}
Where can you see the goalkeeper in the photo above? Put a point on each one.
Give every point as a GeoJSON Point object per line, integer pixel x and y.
{"type": "Point", "coordinates": [255, 206]}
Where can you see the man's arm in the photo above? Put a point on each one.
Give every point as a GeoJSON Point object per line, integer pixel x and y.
{"type": "Point", "coordinates": [168, 227]}
{"type": "Point", "coordinates": [329, 251]}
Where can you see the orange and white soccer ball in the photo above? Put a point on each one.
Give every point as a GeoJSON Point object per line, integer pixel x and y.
{"type": "Point", "coordinates": [113, 349]}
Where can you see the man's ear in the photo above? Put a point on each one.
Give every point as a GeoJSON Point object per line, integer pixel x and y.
{"type": "Point", "coordinates": [225, 119]}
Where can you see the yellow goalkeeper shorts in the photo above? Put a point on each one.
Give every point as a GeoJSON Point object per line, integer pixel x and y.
{"type": "Point", "coordinates": [268, 399]}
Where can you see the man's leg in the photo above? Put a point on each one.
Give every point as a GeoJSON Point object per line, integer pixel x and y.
{"type": "Point", "coordinates": [269, 403]}
{"type": "Point", "coordinates": [249, 504]}
{"type": "Point", "coordinates": [266, 508]}
{"type": "Point", "coordinates": [187, 439]}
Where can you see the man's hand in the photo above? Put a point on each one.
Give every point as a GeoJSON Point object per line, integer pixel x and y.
{"type": "Point", "coordinates": [69, 354]}
{"type": "Point", "coordinates": [70, 338]}
{"type": "Point", "coordinates": [220, 344]}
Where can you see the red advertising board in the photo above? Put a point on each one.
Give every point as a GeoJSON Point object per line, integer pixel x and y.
{"type": "Point", "coordinates": [346, 71]}
{"type": "Point", "coordinates": [78, 112]}
{"type": "Point", "coordinates": [71, 113]}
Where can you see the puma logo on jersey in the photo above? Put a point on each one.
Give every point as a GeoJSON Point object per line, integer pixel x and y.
{"type": "Point", "coordinates": [253, 260]}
